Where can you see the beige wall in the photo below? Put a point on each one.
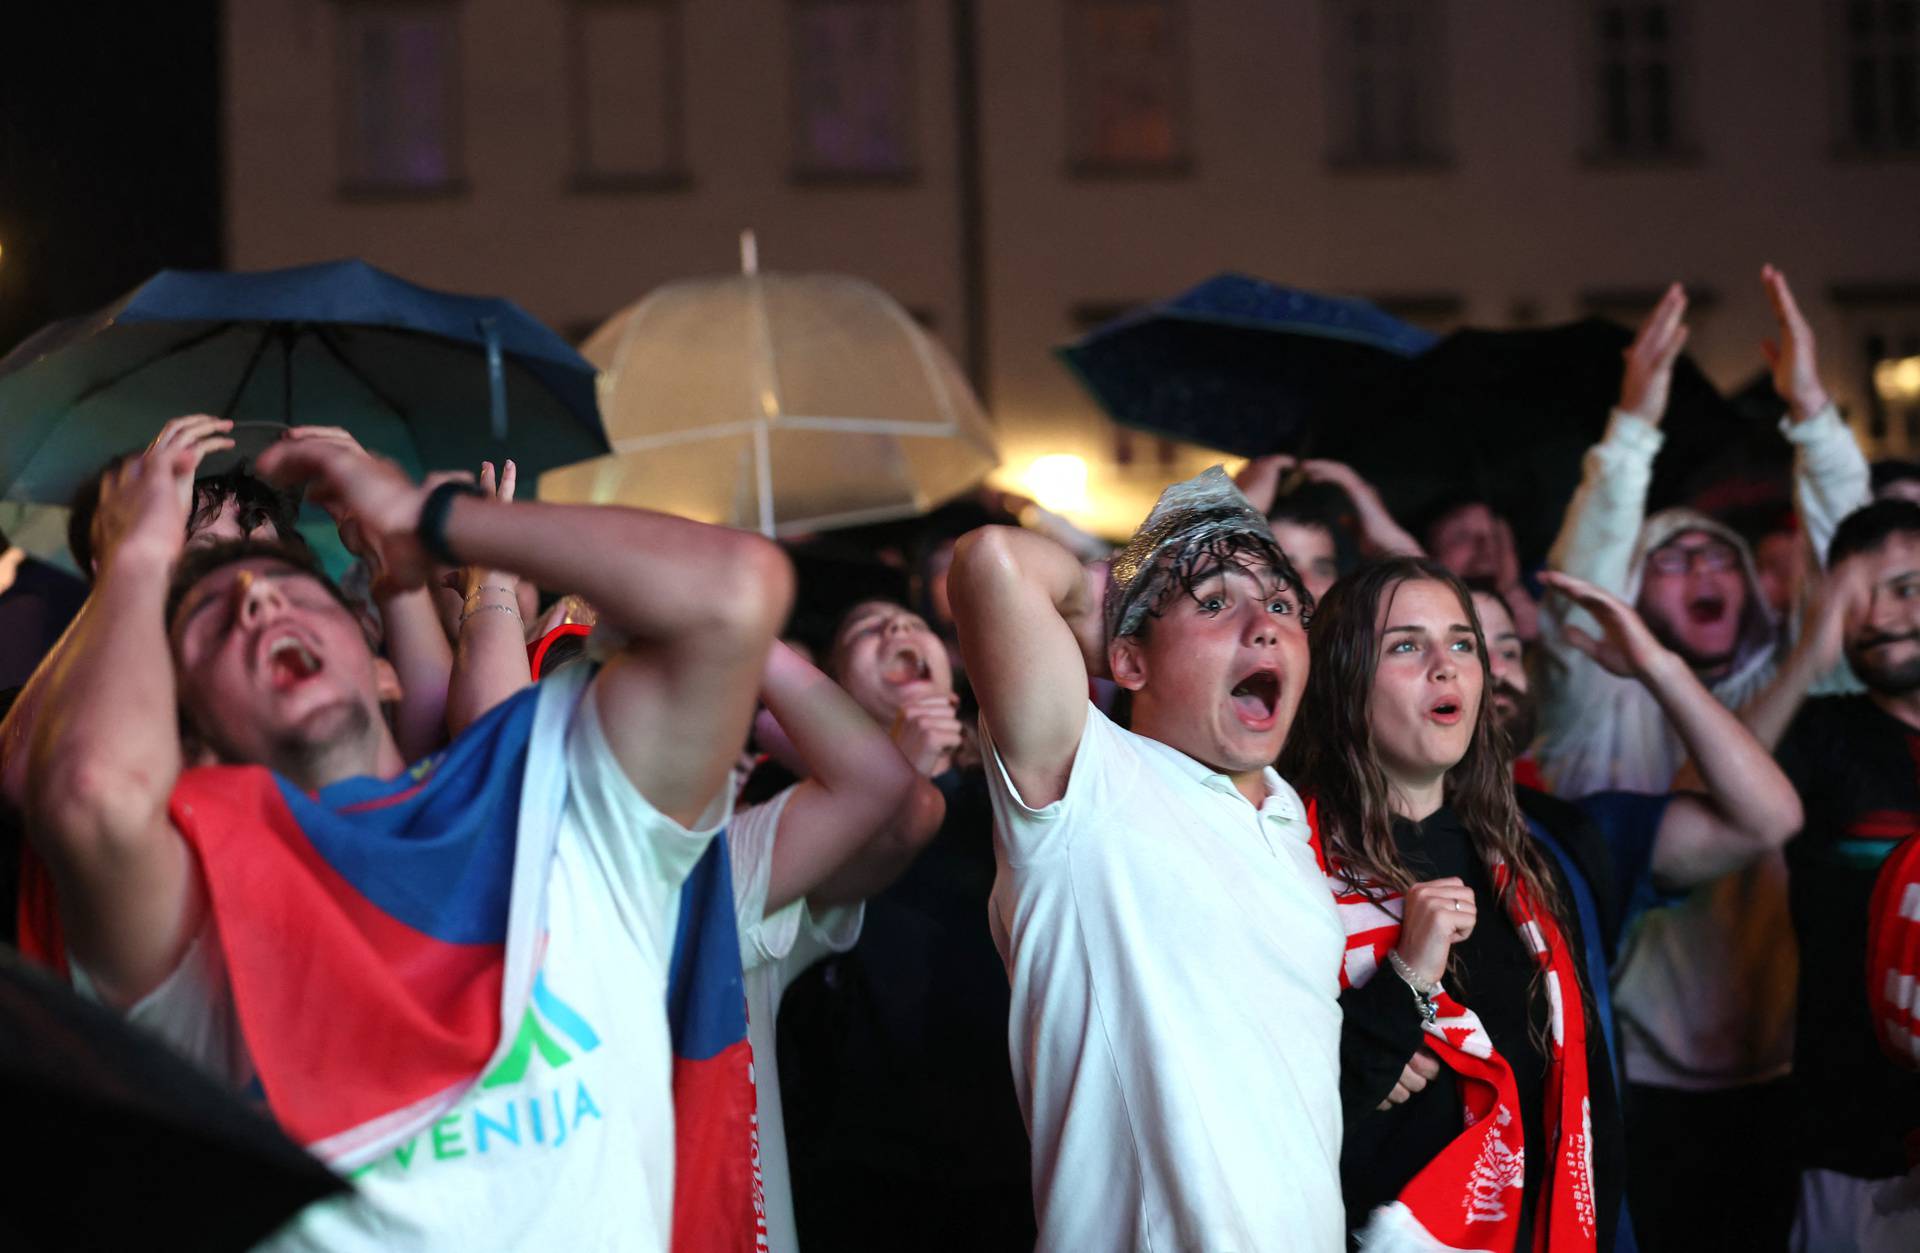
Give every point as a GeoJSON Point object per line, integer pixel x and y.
{"type": "Point", "coordinates": [1516, 221]}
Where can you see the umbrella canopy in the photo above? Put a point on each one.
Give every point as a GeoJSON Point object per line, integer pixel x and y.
{"type": "Point", "coordinates": [434, 380]}
{"type": "Point", "coordinates": [1507, 415]}
{"type": "Point", "coordinates": [1243, 365]}
{"type": "Point", "coordinates": [128, 1140]}
{"type": "Point", "coordinates": [785, 403]}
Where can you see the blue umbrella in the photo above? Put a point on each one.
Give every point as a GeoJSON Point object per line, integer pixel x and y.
{"type": "Point", "coordinates": [1244, 366]}
{"type": "Point", "coordinates": [437, 381]}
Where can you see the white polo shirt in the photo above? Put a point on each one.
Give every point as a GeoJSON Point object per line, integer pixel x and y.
{"type": "Point", "coordinates": [1175, 1032]}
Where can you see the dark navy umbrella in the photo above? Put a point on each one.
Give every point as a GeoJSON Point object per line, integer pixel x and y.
{"type": "Point", "coordinates": [1508, 415]}
{"type": "Point", "coordinates": [437, 381]}
{"type": "Point", "coordinates": [1243, 365]}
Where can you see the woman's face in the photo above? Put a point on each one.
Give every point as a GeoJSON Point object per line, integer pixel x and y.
{"type": "Point", "coordinates": [1427, 681]}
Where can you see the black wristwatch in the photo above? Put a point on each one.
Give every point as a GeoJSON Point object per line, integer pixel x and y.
{"type": "Point", "coordinates": [432, 527]}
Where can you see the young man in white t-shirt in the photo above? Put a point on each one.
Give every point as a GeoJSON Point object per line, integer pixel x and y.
{"type": "Point", "coordinates": [618, 775]}
{"type": "Point", "coordinates": [1173, 950]}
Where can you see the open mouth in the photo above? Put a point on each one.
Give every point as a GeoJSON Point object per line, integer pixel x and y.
{"type": "Point", "coordinates": [904, 667]}
{"type": "Point", "coordinates": [290, 662]}
{"type": "Point", "coordinates": [1446, 711]}
{"type": "Point", "coordinates": [1254, 698]}
{"type": "Point", "coordinates": [1705, 609]}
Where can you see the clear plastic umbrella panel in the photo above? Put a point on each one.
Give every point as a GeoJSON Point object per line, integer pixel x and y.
{"type": "Point", "coordinates": [784, 403]}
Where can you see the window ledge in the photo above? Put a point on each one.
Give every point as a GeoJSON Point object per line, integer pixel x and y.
{"type": "Point", "coordinates": [801, 176]}
{"type": "Point", "coordinates": [1094, 170]}
{"type": "Point", "coordinates": [1845, 153]}
{"type": "Point", "coordinates": [660, 182]}
{"type": "Point", "coordinates": [1356, 163]}
{"type": "Point", "coordinates": [1681, 157]}
{"type": "Point", "coordinates": [403, 193]}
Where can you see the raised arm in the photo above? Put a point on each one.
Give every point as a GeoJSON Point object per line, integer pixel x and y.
{"type": "Point", "coordinates": [1814, 654]}
{"type": "Point", "coordinates": [698, 605]}
{"type": "Point", "coordinates": [1603, 520]}
{"type": "Point", "coordinates": [1746, 805]}
{"type": "Point", "coordinates": [415, 645]}
{"type": "Point", "coordinates": [861, 814]}
{"type": "Point", "coordinates": [105, 748]}
{"type": "Point", "coordinates": [1381, 535]}
{"type": "Point", "coordinates": [490, 663]}
{"type": "Point", "coordinates": [1831, 478]}
{"type": "Point", "coordinates": [1031, 632]}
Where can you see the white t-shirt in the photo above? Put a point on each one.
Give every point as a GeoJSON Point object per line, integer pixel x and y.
{"type": "Point", "coordinates": [775, 949]}
{"type": "Point", "coordinates": [1175, 1033]}
{"type": "Point", "coordinates": [567, 1143]}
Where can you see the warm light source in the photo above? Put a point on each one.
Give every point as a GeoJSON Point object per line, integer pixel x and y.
{"type": "Point", "coordinates": [1058, 482]}
{"type": "Point", "coordinates": [1898, 380]}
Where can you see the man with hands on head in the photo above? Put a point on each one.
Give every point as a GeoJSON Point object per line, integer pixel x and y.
{"type": "Point", "coordinates": [384, 935]}
{"type": "Point", "coordinates": [1173, 952]}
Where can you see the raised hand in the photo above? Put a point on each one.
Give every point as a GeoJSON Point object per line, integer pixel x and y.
{"type": "Point", "coordinates": [149, 498]}
{"type": "Point", "coordinates": [1650, 358]}
{"type": "Point", "coordinates": [202, 433]}
{"type": "Point", "coordinates": [1626, 646]}
{"type": "Point", "coordinates": [470, 579]}
{"type": "Point", "coordinates": [1796, 368]}
{"type": "Point", "coordinates": [1439, 913]}
{"type": "Point", "coordinates": [928, 732]}
{"type": "Point", "coordinates": [349, 482]}
{"type": "Point", "coordinates": [1841, 598]}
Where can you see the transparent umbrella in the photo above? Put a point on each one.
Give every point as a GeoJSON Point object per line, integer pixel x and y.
{"type": "Point", "coordinates": [784, 403]}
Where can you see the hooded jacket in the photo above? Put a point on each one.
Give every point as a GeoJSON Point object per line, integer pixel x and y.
{"type": "Point", "coordinates": [1704, 987]}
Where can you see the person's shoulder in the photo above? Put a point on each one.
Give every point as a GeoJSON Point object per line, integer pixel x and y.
{"type": "Point", "coordinates": [1830, 721]}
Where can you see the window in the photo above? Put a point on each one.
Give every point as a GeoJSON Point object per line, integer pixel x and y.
{"type": "Point", "coordinates": [1878, 79]}
{"type": "Point", "coordinates": [1883, 320]}
{"type": "Point", "coordinates": [400, 96]}
{"type": "Point", "coordinates": [1638, 58]}
{"type": "Point", "coordinates": [1127, 86]}
{"type": "Point", "coordinates": [853, 89]}
{"type": "Point", "coordinates": [1387, 78]}
{"type": "Point", "coordinates": [627, 85]}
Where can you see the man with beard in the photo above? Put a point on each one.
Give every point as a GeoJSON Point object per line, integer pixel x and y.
{"type": "Point", "coordinates": [899, 1101]}
{"type": "Point", "coordinates": [1173, 951]}
{"type": "Point", "coordinates": [1856, 762]}
{"type": "Point", "coordinates": [1705, 985]}
{"type": "Point", "coordinates": [449, 979]}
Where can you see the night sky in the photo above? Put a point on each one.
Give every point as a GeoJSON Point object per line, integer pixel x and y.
{"type": "Point", "coordinates": [109, 153]}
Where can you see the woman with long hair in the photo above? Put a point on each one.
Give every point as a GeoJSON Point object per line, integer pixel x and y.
{"type": "Point", "coordinates": [1480, 1108]}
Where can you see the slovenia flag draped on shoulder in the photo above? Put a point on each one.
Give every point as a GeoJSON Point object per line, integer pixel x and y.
{"type": "Point", "coordinates": [401, 920]}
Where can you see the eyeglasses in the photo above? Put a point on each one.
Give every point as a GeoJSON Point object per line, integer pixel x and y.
{"type": "Point", "coordinates": [1711, 558]}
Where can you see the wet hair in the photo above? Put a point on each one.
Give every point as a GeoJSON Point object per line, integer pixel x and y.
{"type": "Point", "coordinates": [1868, 528]}
{"type": "Point", "coordinates": [1335, 761]}
{"type": "Point", "coordinates": [257, 502]}
{"type": "Point", "coordinates": [1184, 570]}
{"type": "Point", "coordinates": [1885, 474]}
{"type": "Point", "coordinates": [198, 563]}
{"type": "Point", "coordinates": [833, 655]}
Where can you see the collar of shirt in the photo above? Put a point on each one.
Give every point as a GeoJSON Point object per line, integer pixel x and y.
{"type": "Point", "coordinates": [1282, 808]}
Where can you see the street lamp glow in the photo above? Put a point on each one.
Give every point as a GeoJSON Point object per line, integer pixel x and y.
{"type": "Point", "coordinates": [1058, 482]}
{"type": "Point", "coordinates": [1898, 380]}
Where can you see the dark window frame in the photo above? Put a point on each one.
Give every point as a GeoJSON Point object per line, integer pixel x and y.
{"type": "Point", "coordinates": [1082, 161]}
{"type": "Point", "coordinates": [355, 185]}
{"type": "Point", "coordinates": [1359, 77]}
{"type": "Point", "coordinates": [676, 174]}
{"type": "Point", "coordinates": [802, 173]}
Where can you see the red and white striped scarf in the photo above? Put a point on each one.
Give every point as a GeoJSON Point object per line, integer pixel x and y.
{"type": "Point", "coordinates": [1468, 1197]}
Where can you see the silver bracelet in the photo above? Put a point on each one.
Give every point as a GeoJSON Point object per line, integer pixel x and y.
{"type": "Point", "coordinates": [483, 608]}
{"type": "Point", "coordinates": [1423, 994]}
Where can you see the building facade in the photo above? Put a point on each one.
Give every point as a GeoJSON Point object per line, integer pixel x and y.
{"type": "Point", "coordinates": [1015, 170]}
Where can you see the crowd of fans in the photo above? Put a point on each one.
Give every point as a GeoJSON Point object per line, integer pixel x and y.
{"type": "Point", "coordinates": [1289, 878]}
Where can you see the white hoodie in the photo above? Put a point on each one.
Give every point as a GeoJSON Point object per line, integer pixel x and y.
{"type": "Point", "coordinates": [1705, 987]}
